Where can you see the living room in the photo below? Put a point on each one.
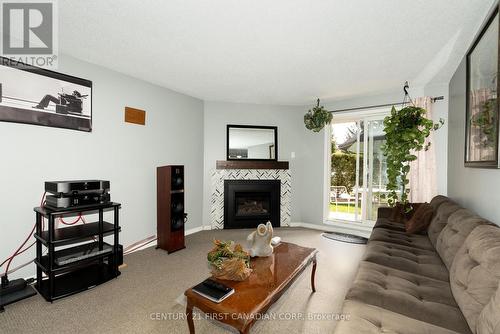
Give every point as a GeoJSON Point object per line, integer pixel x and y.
{"type": "Point", "coordinates": [197, 122]}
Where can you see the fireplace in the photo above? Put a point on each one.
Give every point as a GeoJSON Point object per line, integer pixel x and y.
{"type": "Point", "coordinates": [248, 203]}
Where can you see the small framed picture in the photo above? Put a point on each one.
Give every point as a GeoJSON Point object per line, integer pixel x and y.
{"type": "Point", "coordinates": [38, 96]}
{"type": "Point", "coordinates": [482, 112]}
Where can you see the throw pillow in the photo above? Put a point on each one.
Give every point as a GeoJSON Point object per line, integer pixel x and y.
{"type": "Point", "coordinates": [398, 214]}
{"type": "Point", "coordinates": [420, 220]}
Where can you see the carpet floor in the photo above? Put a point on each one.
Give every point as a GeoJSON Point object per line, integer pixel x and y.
{"type": "Point", "coordinates": [145, 298]}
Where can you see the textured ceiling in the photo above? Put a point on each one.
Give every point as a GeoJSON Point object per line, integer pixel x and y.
{"type": "Point", "coordinates": [277, 52]}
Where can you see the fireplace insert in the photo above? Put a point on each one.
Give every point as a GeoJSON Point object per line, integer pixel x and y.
{"type": "Point", "coordinates": [248, 203]}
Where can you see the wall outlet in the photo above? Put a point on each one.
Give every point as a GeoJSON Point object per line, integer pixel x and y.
{"type": "Point", "coordinates": [292, 155]}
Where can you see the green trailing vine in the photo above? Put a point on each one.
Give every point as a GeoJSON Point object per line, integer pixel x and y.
{"type": "Point", "coordinates": [405, 133]}
{"type": "Point", "coordinates": [316, 118]}
{"type": "Point", "coordinates": [486, 121]}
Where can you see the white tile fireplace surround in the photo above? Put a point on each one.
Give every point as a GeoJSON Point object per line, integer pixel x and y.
{"type": "Point", "coordinates": [219, 175]}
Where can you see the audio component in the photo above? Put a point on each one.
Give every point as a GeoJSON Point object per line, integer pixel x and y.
{"type": "Point", "coordinates": [76, 200]}
{"type": "Point", "coordinates": [69, 194]}
{"type": "Point", "coordinates": [72, 187]}
{"type": "Point", "coordinates": [82, 252]}
{"type": "Point", "coordinates": [170, 208]}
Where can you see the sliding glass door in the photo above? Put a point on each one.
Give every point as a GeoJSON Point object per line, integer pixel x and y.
{"type": "Point", "coordinates": [358, 169]}
{"type": "Point", "coordinates": [374, 193]}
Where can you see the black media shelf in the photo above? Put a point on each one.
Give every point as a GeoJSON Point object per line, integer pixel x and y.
{"type": "Point", "coordinates": [83, 274]}
{"type": "Point", "coordinates": [77, 281]}
{"type": "Point", "coordinates": [68, 235]}
{"type": "Point", "coordinates": [56, 268]}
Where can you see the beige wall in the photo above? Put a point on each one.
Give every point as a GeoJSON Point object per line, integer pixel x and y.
{"type": "Point", "coordinates": [125, 154]}
{"type": "Point", "coordinates": [474, 188]}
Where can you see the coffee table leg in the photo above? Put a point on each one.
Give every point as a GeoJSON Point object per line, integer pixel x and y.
{"type": "Point", "coordinates": [313, 274]}
{"type": "Point", "coordinates": [189, 314]}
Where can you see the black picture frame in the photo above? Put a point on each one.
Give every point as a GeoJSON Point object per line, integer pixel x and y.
{"type": "Point", "coordinates": [260, 127]}
{"type": "Point", "coordinates": [469, 161]}
{"type": "Point", "coordinates": [52, 107]}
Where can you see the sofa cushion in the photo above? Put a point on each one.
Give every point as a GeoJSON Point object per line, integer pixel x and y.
{"type": "Point", "coordinates": [401, 238]}
{"type": "Point", "coordinates": [440, 219]}
{"type": "Point", "coordinates": [438, 200]}
{"type": "Point", "coordinates": [368, 319]}
{"type": "Point", "coordinates": [409, 259]}
{"type": "Point", "coordinates": [408, 294]}
{"type": "Point", "coordinates": [460, 225]}
{"type": "Point", "coordinates": [420, 220]}
{"type": "Point", "coordinates": [475, 271]}
{"type": "Point", "coordinates": [489, 319]}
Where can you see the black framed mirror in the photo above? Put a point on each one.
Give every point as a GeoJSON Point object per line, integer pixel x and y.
{"type": "Point", "coordinates": [252, 142]}
{"type": "Point", "coordinates": [483, 109]}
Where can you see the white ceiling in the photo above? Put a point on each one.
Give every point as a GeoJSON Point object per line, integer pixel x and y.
{"type": "Point", "coordinates": [273, 51]}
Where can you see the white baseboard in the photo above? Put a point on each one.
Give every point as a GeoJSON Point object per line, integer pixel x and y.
{"type": "Point", "coordinates": [325, 228]}
{"type": "Point", "coordinates": [343, 228]}
{"type": "Point", "coordinates": [197, 229]}
{"type": "Point", "coordinates": [193, 230]}
{"type": "Point", "coordinates": [151, 244]}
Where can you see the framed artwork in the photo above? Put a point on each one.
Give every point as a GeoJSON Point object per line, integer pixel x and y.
{"type": "Point", "coordinates": [38, 96]}
{"type": "Point", "coordinates": [482, 112]}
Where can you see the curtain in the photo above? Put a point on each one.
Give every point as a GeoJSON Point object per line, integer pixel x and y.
{"type": "Point", "coordinates": [423, 184]}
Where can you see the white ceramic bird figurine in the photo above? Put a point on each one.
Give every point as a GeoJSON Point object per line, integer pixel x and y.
{"type": "Point", "coordinates": [259, 241]}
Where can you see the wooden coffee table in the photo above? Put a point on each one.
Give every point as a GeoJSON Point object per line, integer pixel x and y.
{"type": "Point", "coordinates": [270, 278]}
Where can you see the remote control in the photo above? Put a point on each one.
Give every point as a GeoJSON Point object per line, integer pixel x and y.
{"type": "Point", "coordinates": [215, 285]}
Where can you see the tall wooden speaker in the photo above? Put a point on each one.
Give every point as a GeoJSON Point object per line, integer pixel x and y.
{"type": "Point", "coordinates": [170, 208]}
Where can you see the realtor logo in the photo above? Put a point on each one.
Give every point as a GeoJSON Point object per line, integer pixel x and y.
{"type": "Point", "coordinates": [29, 32]}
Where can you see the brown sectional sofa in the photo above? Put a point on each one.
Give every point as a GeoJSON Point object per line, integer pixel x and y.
{"type": "Point", "coordinates": [444, 281]}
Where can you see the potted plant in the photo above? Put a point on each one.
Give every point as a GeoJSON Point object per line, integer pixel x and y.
{"type": "Point", "coordinates": [316, 118]}
{"type": "Point", "coordinates": [405, 132]}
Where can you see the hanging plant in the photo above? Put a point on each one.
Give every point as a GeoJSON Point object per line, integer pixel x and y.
{"type": "Point", "coordinates": [405, 133]}
{"type": "Point", "coordinates": [316, 118]}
